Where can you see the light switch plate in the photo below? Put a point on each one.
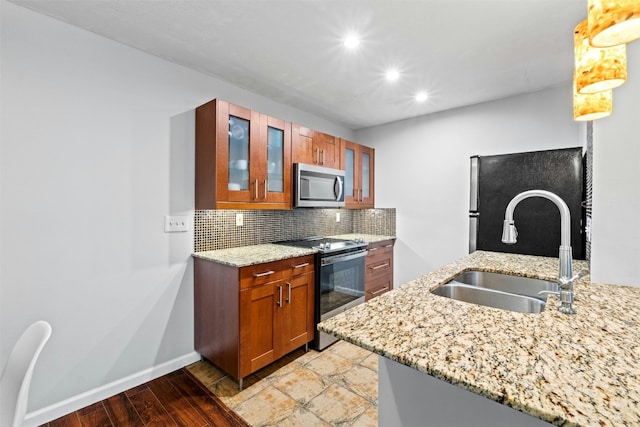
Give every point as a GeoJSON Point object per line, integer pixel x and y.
{"type": "Point", "coordinates": [173, 224]}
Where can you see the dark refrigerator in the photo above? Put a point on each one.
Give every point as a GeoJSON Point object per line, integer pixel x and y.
{"type": "Point", "coordinates": [495, 180]}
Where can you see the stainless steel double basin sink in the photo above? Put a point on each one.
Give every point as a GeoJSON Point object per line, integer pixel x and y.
{"type": "Point", "coordinates": [503, 291]}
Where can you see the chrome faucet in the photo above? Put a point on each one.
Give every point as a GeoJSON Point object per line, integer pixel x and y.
{"type": "Point", "coordinates": [565, 278]}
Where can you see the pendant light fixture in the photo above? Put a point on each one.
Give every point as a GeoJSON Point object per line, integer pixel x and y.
{"type": "Point", "coordinates": [597, 69]}
{"type": "Point", "coordinates": [613, 22]}
{"type": "Point", "coordinates": [592, 106]}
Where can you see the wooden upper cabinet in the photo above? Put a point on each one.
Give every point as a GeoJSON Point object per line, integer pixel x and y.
{"type": "Point", "coordinates": [243, 158]}
{"type": "Point", "coordinates": [315, 148]}
{"type": "Point", "coordinates": [358, 162]}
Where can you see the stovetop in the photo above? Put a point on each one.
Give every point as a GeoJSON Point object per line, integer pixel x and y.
{"type": "Point", "coordinates": [326, 244]}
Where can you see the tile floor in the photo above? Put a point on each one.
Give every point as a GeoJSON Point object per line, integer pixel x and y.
{"type": "Point", "coordinates": [338, 386]}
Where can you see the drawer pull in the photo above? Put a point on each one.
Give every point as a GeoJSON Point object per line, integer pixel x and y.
{"type": "Point", "coordinates": [386, 264]}
{"type": "Point", "coordinates": [373, 249]}
{"type": "Point", "coordinates": [266, 273]}
{"type": "Point", "coordinates": [388, 246]}
{"type": "Point", "coordinates": [304, 264]}
{"type": "Point", "coordinates": [379, 291]}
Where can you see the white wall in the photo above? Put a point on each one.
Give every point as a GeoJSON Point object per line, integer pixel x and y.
{"type": "Point", "coordinates": [616, 184]}
{"type": "Point", "coordinates": [97, 147]}
{"type": "Point", "coordinates": [422, 167]}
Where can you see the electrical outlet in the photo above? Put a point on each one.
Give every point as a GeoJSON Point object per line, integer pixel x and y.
{"type": "Point", "coordinates": [239, 220]}
{"type": "Point", "coordinates": [337, 216]}
{"type": "Point", "coordinates": [173, 224]}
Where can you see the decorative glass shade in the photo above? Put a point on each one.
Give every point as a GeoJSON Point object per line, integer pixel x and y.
{"type": "Point", "coordinates": [597, 69]}
{"type": "Point", "coordinates": [613, 22]}
{"type": "Point", "coordinates": [592, 106]}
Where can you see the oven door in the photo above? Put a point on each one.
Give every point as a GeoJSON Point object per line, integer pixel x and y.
{"type": "Point", "coordinates": [341, 283]}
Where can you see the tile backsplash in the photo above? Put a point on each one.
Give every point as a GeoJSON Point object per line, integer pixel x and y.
{"type": "Point", "coordinates": [216, 229]}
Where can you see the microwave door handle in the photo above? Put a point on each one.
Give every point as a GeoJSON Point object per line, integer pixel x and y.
{"type": "Point", "coordinates": [339, 185]}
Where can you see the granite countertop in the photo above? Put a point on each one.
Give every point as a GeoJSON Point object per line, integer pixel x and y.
{"type": "Point", "coordinates": [257, 254]}
{"type": "Point", "coordinates": [251, 255]}
{"type": "Point", "coordinates": [581, 369]}
{"type": "Point", "coordinates": [368, 238]}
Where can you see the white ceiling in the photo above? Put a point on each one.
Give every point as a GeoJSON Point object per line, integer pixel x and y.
{"type": "Point", "coordinates": [461, 52]}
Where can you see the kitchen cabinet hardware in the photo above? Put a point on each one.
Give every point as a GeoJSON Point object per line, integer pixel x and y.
{"type": "Point", "coordinates": [380, 291]}
{"type": "Point", "coordinates": [256, 189]}
{"type": "Point", "coordinates": [266, 273]}
{"type": "Point", "coordinates": [289, 293]}
{"type": "Point", "coordinates": [279, 302]}
{"type": "Point", "coordinates": [265, 189]}
{"type": "Point", "coordinates": [304, 264]}
{"type": "Point", "coordinates": [377, 267]}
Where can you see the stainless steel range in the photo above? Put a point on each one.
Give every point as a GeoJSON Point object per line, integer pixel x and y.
{"type": "Point", "coordinates": [339, 283]}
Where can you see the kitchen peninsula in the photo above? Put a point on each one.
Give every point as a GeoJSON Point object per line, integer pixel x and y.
{"type": "Point", "coordinates": [580, 369]}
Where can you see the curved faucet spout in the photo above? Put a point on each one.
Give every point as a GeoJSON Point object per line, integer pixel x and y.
{"type": "Point", "coordinates": [565, 215]}
{"type": "Point", "coordinates": [510, 234]}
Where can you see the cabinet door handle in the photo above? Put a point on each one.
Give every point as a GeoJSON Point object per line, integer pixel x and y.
{"type": "Point", "coordinates": [256, 189]}
{"type": "Point", "coordinates": [379, 291]}
{"type": "Point", "coordinates": [361, 195]}
{"type": "Point", "coordinates": [289, 292]}
{"type": "Point", "coordinates": [386, 264]}
{"type": "Point", "coordinates": [266, 273]}
{"type": "Point", "coordinates": [316, 158]}
{"type": "Point", "coordinates": [301, 265]}
{"type": "Point", "coordinates": [322, 157]}
{"type": "Point", "coordinates": [279, 302]}
{"type": "Point", "coordinates": [265, 189]}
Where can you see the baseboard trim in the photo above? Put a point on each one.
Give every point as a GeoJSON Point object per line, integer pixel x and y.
{"type": "Point", "coordinates": [87, 398]}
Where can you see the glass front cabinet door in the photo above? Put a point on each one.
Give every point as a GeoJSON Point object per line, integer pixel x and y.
{"type": "Point", "coordinates": [273, 171]}
{"type": "Point", "coordinates": [242, 158]}
{"type": "Point", "coordinates": [358, 162]}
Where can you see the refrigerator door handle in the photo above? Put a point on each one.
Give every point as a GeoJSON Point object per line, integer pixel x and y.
{"type": "Point", "coordinates": [473, 193]}
{"type": "Point", "coordinates": [473, 231]}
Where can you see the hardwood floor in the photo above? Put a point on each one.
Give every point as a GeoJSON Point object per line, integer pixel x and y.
{"type": "Point", "coordinates": [176, 399]}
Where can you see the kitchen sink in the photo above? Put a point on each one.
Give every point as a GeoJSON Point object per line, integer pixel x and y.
{"type": "Point", "coordinates": [503, 291]}
{"type": "Point", "coordinates": [506, 283]}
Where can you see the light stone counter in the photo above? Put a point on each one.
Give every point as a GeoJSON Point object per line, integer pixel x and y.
{"type": "Point", "coordinates": [257, 254]}
{"type": "Point", "coordinates": [368, 238]}
{"type": "Point", "coordinates": [251, 255]}
{"type": "Point", "coordinates": [581, 369]}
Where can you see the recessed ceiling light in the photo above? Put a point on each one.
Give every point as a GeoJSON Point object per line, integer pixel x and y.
{"type": "Point", "coordinates": [392, 75]}
{"type": "Point", "coordinates": [421, 96]}
{"type": "Point", "coordinates": [351, 41]}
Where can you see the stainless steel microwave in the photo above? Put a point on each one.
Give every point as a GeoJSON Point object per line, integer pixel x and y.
{"type": "Point", "coordinates": [317, 186]}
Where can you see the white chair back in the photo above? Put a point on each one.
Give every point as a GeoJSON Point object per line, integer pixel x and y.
{"type": "Point", "coordinates": [15, 379]}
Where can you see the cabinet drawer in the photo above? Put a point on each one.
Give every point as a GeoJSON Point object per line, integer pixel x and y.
{"type": "Point", "coordinates": [382, 246]}
{"type": "Point", "coordinates": [259, 274]}
{"type": "Point", "coordinates": [377, 287]}
{"type": "Point", "coordinates": [378, 265]}
{"type": "Point", "coordinates": [297, 266]}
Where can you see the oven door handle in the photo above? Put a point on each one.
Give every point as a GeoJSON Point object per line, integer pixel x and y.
{"type": "Point", "coordinates": [343, 257]}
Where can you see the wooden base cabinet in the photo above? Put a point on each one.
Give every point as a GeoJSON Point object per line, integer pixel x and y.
{"type": "Point", "coordinates": [378, 274]}
{"type": "Point", "coordinates": [248, 317]}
